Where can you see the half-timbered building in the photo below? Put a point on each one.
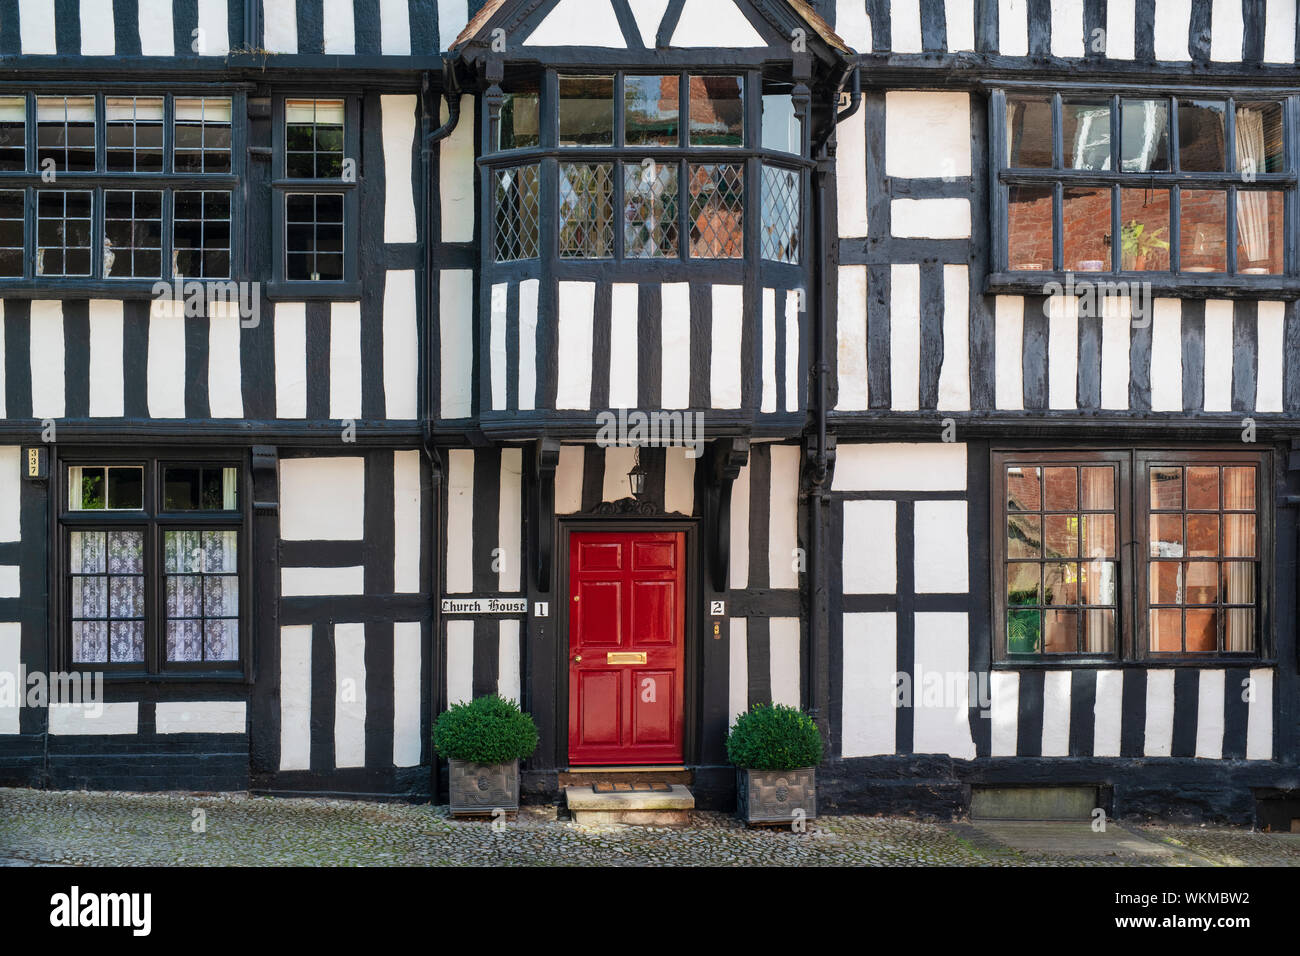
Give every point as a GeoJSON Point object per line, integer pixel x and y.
{"type": "Point", "coordinates": [931, 365]}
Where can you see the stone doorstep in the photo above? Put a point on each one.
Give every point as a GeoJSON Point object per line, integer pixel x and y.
{"type": "Point", "coordinates": [643, 809]}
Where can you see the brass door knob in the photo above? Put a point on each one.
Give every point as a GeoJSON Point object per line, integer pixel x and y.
{"type": "Point", "coordinates": [578, 657]}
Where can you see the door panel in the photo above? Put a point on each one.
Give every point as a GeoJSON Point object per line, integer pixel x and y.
{"type": "Point", "coordinates": [599, 699]}
{"type": "Point", "coordinates": [655, 716]}
{"type": "Point", "coordinates": [654, 606]}
{"type": "Point", "coordinates": [627, 595]}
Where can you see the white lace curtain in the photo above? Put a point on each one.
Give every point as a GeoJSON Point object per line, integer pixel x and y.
{"type": "Point", "coordinates": [1252, 205]}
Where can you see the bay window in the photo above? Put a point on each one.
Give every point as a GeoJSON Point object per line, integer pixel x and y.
{"type": "Point", "coordinates": [646, 166]}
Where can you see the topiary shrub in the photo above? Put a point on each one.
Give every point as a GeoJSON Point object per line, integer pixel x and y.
{"type": "Point", "coordinates": [486, 730]}
{"type": "Point", "coordinates": [774, 737]}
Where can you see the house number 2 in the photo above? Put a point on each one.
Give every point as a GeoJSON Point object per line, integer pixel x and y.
{"type": "Point", "coordinates": [717, 608]}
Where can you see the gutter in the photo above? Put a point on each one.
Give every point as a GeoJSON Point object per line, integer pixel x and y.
{"type": "Point", "coordinates": [818, 632]}
{"type": "Point", "coordinates": [451, 93]}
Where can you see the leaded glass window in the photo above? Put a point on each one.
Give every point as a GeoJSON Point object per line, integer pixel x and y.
{"type": "Point", "coordinates": [781, 208]}
{"type": "Point", "coordinates": [515, 233]}
{"type": "Point", "coordinates": [717, 213]}
{"type": "Point", "coordinates": [650, 200]}
{"type": "Point", "coordinates": [586, 211]}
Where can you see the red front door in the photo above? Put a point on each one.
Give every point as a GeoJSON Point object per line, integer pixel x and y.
{"type": "Point", "coordinates": [627, 615]}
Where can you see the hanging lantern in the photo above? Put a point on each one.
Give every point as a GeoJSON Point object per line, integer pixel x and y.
{"type": "Point", "coordinates": [636, 477]}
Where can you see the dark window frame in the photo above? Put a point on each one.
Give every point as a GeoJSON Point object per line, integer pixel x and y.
{"type": "Point", "coordinates": [154, 521]}
{"type": "Point", "coordinates": [549, 155]}
{"type": "Point", "coordinates": [29, 181]}
{"type": "Point", "coordinates": [1133, 552]}
{"type": "Point", "coordinates": [280, 286]}
{"type": "Point", "coordinates": [1167, 282]}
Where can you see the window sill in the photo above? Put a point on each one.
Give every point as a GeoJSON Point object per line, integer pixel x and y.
{"type": "Point", "coordinates": [297, 291]}
{"type": "Point", "coordinates": [193, 677]}
{"type": "Point", "coordinates": [1093, 663]}
{"type": "Point", "coordinates": [1163, 284]}
{"type": "Point", "coordinates": [56, 287]}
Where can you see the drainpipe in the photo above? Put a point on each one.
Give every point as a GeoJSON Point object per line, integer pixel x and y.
{"type": "Point", "coordinates": [451, 92]}
{"type": "Point", "coordinates": [818, 632]}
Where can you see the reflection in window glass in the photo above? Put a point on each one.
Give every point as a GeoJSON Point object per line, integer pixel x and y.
{"type": "Point", "coordinates": [1085, 134]}
{"type": "Point", "coordinates": [63, 233]}
{"type": "Point", "coordinates": [65, 132]}
{"type": "Point", "coordinates": [782, 130]}
{"type": "Point", "coordinates": [1144, 229]}
{"type": "Point", "coordinates": [195, 488]}
{"type": "Point", "coordinates": [313, 139]}
{"type": "Point", "coordinates": [202, 130]}
{"type": "Point", "coordinates": [133, 233]}
{"type": "Point", "coordinates": [12, 232]}
{"type": "Point", "coordinates": [1144, 135]}
{"type": "Point", "coordinates": [1259, 231]}
{"type": "Point", "coordinates": [1085, 217]}
{"type": "Point", "coordinates": [782, 208]}
{"type": "Point", "coordinates": [651, 111]}
{"type": "Point", "coordinates": [717, 212]}
{"type": "Point", "coordinates": [717, 111]}
{"type": "Point", "coordinates": [650, 204]}
{"type": "Point", "coordinates": [1029, 227]}
{"type": "Point", "coordinates": [586, 111]}
{"type": "Point", "coordinates": [1203, 568]}
{"type": "Point", "coordinates": [1029, 132]}
{"type": "Point", "coordinates": [1062, 571]}
{"type": "Point", "coordinates": [133, 134]}
{"type": "Point", "coordinates": [1259, 138]}
{"type": "Point", "coordinates": [1203, 230]}
{"type": "Point", "coordinates": [586, 210]}
{"type": "Point", "coordinates": [313, 236]}
{"type": "Point", "coordinates": [111, 488]}
{"type": "Point", "coordinates": [516, 214]}
{"type": "Point", "coordinates": [1202, 136]}
{"type": "Point", "coordinates": [201, 235]}
{"type": "Point", "coordinates": [519, 120]}
{"type": "Point", "coordinates": [13, 133]}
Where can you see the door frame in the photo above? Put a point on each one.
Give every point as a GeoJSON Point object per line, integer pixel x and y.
{"type": "Point", "coordinates": [690, 636]}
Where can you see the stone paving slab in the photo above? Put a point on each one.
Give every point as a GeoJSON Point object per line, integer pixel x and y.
{"type": "Point", "coordinates": [81, 828]}
{"type": "Point", "coordinates": [1079, 841]}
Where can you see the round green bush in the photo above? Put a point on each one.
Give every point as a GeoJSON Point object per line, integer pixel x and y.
{"type": "Point", "coordinates": [774, 737]}
{"type": "Point", "coordinates": [485, 730]}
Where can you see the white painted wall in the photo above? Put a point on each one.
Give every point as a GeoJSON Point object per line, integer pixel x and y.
{"type": "Point", "coordinates": [927, 134]}
{"type": "Point", "coordinates": [901, 466]}
{"type": "Point", "coordinates": [874, 569]}
{"type": "Point", "coordinates": [940, 547]}
{"type": "Point", "coordinates": [869, 715]}
{"type": "Point", "coordinates": [322, 499]}
{"type": "Point", "coordinates": [201, 717]}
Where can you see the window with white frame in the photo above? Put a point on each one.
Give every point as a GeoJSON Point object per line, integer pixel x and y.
{"type": "Point", "coordinates": [122, 186]}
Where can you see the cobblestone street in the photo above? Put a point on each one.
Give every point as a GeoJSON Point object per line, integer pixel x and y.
{"type": "Point", "coordinates": [87, 829]}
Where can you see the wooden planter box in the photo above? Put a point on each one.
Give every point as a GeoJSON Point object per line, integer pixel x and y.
{"type": "Point", "coordinates": [776, 796]}
{"type": "Point", "coordinates": [476, 789]}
